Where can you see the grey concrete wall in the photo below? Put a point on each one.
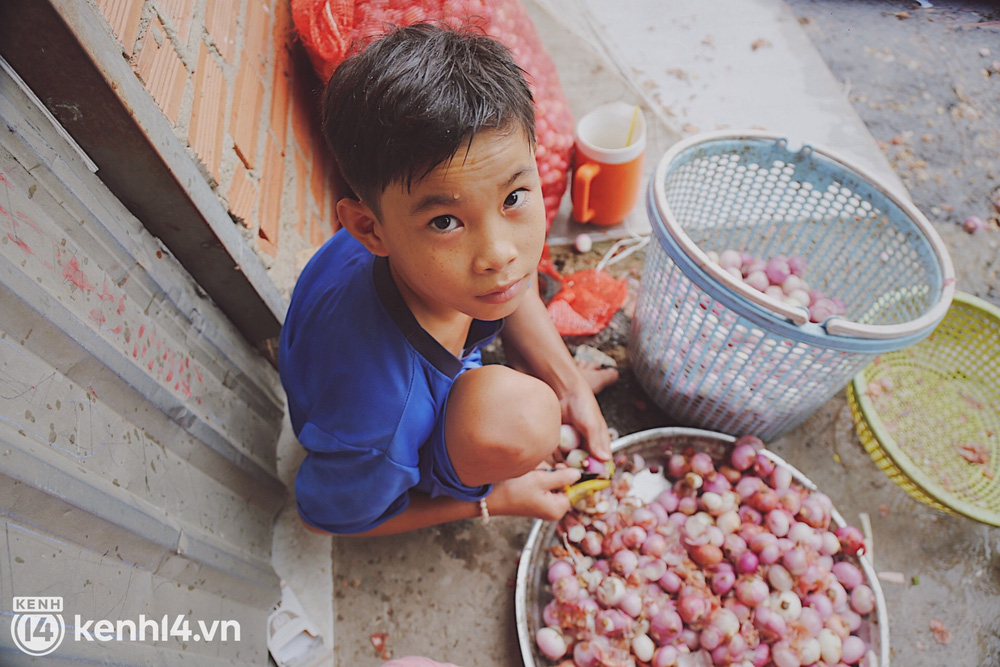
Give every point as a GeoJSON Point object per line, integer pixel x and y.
{"type": "Point", "coordinates": [137, 427]}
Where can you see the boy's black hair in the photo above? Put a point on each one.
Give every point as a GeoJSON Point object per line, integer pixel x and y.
{"type": "Point", "coordinates": [408, 101]}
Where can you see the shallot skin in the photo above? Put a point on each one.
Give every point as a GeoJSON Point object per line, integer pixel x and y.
{"type": "Point", "coordinates": [973, 224]}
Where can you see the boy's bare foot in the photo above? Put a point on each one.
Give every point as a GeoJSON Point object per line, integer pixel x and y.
{"type": "Point", "coordinates": [598, 377]}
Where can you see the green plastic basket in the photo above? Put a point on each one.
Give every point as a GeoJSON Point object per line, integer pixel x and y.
{"type": "Point", "coordinates": [924, 411]}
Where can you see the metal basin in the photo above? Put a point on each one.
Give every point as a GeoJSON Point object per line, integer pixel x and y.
{"type": "Point", "coordinates": [655, 446]}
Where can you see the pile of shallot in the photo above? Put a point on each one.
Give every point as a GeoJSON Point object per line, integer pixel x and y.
{"type": "Point", "coordinates": [734, 563]}
{"type": "Point", "coordinates": [781, 278]}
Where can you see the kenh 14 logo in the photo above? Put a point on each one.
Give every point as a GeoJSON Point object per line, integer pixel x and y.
{"type": "Point", "coordinates": [38, 627]}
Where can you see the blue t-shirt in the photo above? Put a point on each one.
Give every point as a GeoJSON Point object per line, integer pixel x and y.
{"type": "Point", "coordinates": [367, 388]}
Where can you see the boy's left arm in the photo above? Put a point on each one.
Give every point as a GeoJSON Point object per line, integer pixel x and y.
{"type": "Point", "coordinates": [532, 343]}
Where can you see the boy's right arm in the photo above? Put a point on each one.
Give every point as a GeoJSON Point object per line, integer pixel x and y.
{"type": "Point", "coordinates": [536, 494]}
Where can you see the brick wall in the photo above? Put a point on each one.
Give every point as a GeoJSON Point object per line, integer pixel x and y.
{"type": "Point", "coordinates": [238, 89]}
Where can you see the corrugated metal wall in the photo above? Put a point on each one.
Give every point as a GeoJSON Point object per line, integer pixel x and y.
{"type": "Point", "coordinates": [137, 427]}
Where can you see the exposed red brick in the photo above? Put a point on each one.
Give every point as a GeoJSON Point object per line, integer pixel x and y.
{"type": "Point", "coordinates": [179, 13]}
{"type": "Point", "coordinates": [221, 19]}
{"type": "Point", "coordinates": [244, 121]}
{"type": "Point", "coordinates": [265, 245]}
{"type": "Point", "coordinates": [284, 29]}
{"type": "Point", "coordinates": [317, 231]}
{"type": "Point", "coordinates": [207, 111]}
{"type": "Point", "coordinates": [320, 179]}
{"type": "Point", "coordinates": [242, 197]}
{"type": "Point", "coordinates": [272, 184]}
{"type": "Point", "coordinates": [123, 16]}
{"type": "Point", "coordinates": [306, 96]}
{"type": "Point", "coordinates": [280, 90]}
{"type": "Point", "coordinates": [302, 115]}
{"type": "Point", "coordinates": [301, 203]}
{"type": "Point", "coordinates": [257, 33]}
{"type": "Point", "coordinates": [161, 70]}
{"type": "Point", "coordinates": [281, 84]}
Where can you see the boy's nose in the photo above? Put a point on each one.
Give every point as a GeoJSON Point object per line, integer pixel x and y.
{"type": "Point", "coordinates": [496, 251]}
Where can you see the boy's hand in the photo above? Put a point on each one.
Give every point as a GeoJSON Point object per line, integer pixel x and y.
{"type": "Point", "coordinates": [581, 410]}
{"type": "Point", "coordinates": [537, 494]}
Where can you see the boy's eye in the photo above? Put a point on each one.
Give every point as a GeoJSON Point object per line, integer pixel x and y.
{"type": "Point", "coordinates": [444, 223]}
{"type": "Point", "coordinates": [516, 197]}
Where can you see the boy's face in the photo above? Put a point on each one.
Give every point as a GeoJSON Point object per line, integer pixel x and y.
{"type": "Point", "coordinates": [467, 238]}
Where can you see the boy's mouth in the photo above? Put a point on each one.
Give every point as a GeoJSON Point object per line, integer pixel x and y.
{"type": "Point", "coordinates": [504, 293]}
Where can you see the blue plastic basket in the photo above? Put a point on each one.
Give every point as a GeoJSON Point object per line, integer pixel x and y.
{"type": "Point", "coordinates": [715, 353]}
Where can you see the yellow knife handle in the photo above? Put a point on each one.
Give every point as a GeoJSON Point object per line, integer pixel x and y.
{"type": "Point", "coordinates": [583, 489]}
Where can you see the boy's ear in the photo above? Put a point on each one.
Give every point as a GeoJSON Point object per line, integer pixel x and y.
{"type": "Point", "coordinates": [358, 219]}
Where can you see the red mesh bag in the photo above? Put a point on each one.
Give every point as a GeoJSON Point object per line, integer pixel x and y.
{"type": "Point", "coordinates": [328, 27]}
{"type": "Point", "coordinates": [324, 26]}
{"type": "Point", "coordinates": [587, 302]}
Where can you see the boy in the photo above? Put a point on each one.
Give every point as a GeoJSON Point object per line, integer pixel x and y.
{"type": "Point", "coordinates": [433, 130]}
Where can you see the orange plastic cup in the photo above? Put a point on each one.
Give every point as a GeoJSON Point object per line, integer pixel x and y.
{"type": "Point", "coordinates": [608, 169]}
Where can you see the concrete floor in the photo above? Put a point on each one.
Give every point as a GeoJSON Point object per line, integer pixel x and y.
{"type": "Point", "coordinates": [447, 592]}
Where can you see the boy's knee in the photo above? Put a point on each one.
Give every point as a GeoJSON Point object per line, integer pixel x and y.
{"type": "Point", "coordinates": [503, 419]}
{"type": "Point", "coordinates": [510, 406]}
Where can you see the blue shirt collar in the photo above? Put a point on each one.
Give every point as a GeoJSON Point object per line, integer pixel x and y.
{"type": "Point", "coordinates": [480, 333]}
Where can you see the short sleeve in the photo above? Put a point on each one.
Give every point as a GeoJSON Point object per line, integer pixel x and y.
{"type": "Point", "coordinates": [347, 489]}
